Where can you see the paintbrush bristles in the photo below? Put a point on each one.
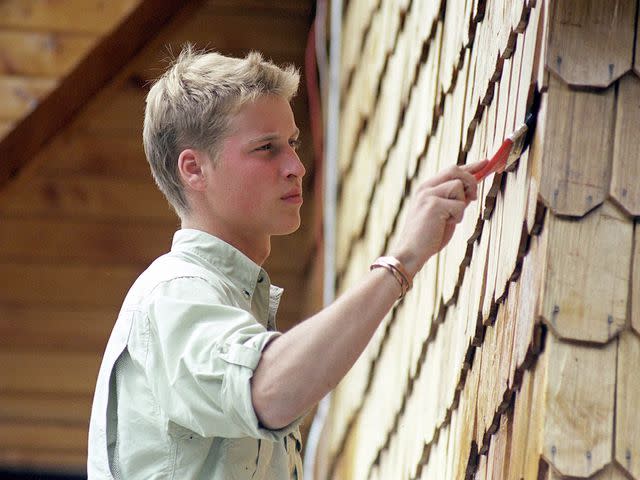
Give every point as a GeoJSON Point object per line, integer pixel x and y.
{"type": "Point", "coordinates": [519, 133]}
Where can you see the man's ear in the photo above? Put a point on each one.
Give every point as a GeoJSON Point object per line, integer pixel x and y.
{"type": "Point", "coordinates": [190, 163]}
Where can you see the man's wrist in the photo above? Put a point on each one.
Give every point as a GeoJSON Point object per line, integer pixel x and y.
{"type": "Point", "coordinates": [398, 270]}
{"type": "Point", "coordinates": [408, 260]}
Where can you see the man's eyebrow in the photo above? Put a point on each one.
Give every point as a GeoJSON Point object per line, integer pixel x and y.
{"type": "Point", "coordinates": [272, 136]}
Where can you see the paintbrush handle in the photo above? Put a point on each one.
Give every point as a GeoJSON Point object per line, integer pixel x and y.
{"type": "Point", "coordinates": [497, 162]}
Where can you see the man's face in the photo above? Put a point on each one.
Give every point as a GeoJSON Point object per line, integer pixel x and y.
{"type": "Point", "coordinates": [255, 189]}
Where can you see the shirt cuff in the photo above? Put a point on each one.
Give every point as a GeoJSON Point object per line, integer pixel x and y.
{"type": "Point", "coordinates": [242, 360]}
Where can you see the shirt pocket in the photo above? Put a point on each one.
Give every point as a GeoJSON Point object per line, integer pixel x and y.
{"type": "Point", "coordinates": [240, 457]}
{"type": "Point", "coordinates": [189, 448]}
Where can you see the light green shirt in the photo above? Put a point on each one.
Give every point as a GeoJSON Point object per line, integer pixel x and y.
{"type": "Point", "coordinates": [173, 397]}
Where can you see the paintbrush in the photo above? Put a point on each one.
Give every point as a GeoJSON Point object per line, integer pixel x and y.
{"type": "Point", "coordinates": [513, 145]}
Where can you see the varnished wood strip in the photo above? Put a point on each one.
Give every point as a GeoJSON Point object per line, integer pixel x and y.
{"type": "Point", "coordinates": [41, 53]}
{"type": "Point", "coordinates": [252, 7]}
{"type": "Point", "coordinates": [578, 429]}
{"type": "Point", "coordinates": [45, 407]}
{"type": "Point", "coordinates": [281, 38]}
{"type": "Point", "coordinates": [627, 439]}
{"type": "Point", "coordinates": [55, 329]}
{"type": "Point", "coordinates": [591, 42]}
{"type": "Point", "coordinates": [625, 170]}
{"type": "Point", "coordinates": [92, 199]}
{"type": "Point", "coordinates": [22, 95]}
{"type": "Point", "coordinates": [22, 440]}
{"type": "Point", "coordinates": [577, 148]}
{"type": "Point", "coordinates": [115, 111]}
{"type": "Point", "coordinates": [49, 460]}
{"type": "Point", "coordinates": [60, 288]}
{"type": "Point", "coordinates": [97, 16]}
{"type": "Point", "coordinates": [75, 152]}
{"type": "Point", "coordinates": [65, 285]}
{"type": "Point", "coordinates": [48, 372]}
{"type": "Point", "coordinates": [68, 241]}
{"type": "Point", "coordinates": [586, 283]}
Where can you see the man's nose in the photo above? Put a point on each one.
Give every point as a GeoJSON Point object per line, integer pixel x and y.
{"type": "Point", "coordinates": [294, 167]}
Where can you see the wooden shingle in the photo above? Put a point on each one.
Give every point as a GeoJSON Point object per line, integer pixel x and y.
{"type": "Point", "coordinates": [577, 148]}
{"type": "Point", "coordinates": [586, 283]}
{"type": "Point", "coordinates": [590, 41]}
{"type": "Point", "coordinates": [578, 428]}
{"type": "Point", "coordinates": [627, 439]}
{"type": "Point", "coordinates": [634, 294]}
{"type": "Point", "coordinates": [625, 170]}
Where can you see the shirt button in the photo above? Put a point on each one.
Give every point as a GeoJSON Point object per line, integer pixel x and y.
{"type": "Point", "coordinates": [246, 293]}
{"type": "Point", "coordinates": [260, 279]}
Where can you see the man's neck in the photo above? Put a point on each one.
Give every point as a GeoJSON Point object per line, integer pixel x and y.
{"type": "Point", "coordinates": [256, 247]}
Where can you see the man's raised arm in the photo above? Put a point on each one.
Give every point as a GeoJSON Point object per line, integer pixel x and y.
{"type": "Point", "coordinates": [301, 366]}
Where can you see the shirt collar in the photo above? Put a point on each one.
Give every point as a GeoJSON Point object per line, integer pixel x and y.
{"type": "Point", "coordinates": [227, 259]}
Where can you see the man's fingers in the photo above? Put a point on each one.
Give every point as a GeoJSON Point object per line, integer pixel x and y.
{"type": "Point", "coordinates": [449, 210]}
{"type": "Point", "coordinates": [452, 189]}
{"type": "Point", "coordinates": [464, 174]}
{"type": "Point", "coordinates": [475, 166]}
{"type": "Point", "coordinates": [455, 210]}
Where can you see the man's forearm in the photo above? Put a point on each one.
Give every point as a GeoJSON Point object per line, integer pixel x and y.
{"type": "Point", "coordinates": [301, 366]}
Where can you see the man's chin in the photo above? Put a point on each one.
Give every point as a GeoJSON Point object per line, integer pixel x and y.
{"type": "Point", "coordinates": [287, 229]}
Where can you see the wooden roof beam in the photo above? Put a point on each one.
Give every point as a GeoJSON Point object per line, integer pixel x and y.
{"type": "Point", "coordinates": [91, 74]}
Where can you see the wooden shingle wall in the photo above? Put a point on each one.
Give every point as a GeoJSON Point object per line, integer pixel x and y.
{"type": "Point", "coordinates": [515, 355]}
{"type": "Point", "coordinates": [84, 218]}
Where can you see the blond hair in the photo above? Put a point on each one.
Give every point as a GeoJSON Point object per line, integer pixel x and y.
{"type": "Point", "coordinates": [192, 104]}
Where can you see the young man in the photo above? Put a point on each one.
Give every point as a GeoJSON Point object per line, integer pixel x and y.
{"type": "Point", "coordinates": [195, 381]}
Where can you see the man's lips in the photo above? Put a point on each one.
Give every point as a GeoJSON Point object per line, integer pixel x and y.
{"type": "Point", "coordinates": [293, 196]}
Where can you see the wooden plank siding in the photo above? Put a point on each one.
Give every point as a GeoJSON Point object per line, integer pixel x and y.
{"type": "Point", "coordinates": [83, 217]}
{"type": "Point", "coordinates": [42, 15]}
{"type": "Point", "coordinates": [511, 357]}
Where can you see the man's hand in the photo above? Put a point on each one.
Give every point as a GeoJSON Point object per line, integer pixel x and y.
{"type": "Point", "coordinates": [435, 209]}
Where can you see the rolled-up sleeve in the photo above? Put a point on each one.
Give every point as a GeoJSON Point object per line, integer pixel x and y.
{"type": "Point", "coordinates": [202, 353]}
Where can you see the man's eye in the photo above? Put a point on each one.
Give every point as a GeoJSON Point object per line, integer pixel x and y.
{"type": "Point", "coordinates": [265, 148]}
{"type": "Point", "coordinates": [295, 144]}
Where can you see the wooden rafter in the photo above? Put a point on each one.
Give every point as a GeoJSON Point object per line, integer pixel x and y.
{"type": "Point", "coordinates": [91, 74]}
